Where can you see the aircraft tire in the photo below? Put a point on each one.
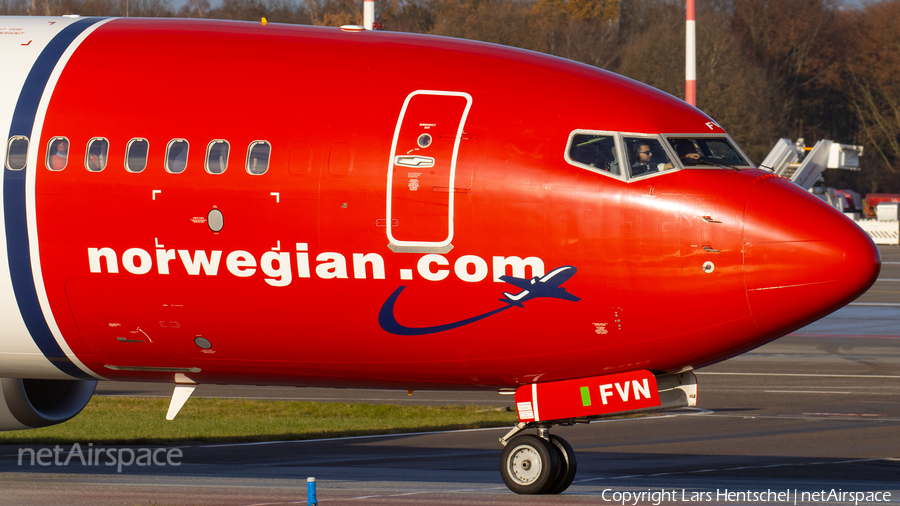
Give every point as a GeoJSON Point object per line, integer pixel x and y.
{"type": "Point", "coordinates": [568, 465]}
{"type": "Point", "coordinates": [529, 465]}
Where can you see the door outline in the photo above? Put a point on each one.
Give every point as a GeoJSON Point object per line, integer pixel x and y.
{"type": "Point", "coordinates": [418, 245]}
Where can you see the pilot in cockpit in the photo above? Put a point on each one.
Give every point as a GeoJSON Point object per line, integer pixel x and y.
{"type": "Point", "coordinates": [645, 159]}
{"type": "Point", "coordinates": [687, 152]}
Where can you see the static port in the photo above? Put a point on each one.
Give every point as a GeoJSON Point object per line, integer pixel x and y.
{"type": "Point", "coordinates": [202, 342]}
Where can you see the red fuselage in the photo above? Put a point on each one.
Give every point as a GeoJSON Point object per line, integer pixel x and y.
{"type": "Point", "coordinates": [295, 282]}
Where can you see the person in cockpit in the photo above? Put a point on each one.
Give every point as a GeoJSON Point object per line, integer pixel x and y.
{"type": "Point", "coordinates": [643, 159]}
{"type": "Point", "coordinates": [687, 152]}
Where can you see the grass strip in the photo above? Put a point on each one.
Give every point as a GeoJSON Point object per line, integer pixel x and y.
{"type": "Point", "coordinates": [134, 420]}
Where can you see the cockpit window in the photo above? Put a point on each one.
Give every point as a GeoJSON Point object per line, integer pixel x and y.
{"type": "Point", "coordinates": [647, 156]}
{"type": "Point", "coordinates": [596, 151]}
{"type": "Point", "coordinates": [706, 151]}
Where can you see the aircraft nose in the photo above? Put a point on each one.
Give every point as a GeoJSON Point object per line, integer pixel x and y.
{"type": "Point", "coordinates": [802, 258]}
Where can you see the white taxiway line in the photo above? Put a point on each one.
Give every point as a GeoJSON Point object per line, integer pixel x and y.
{"type": "Point", "coordinates": [814, 392]}
{"type": "Point", "coordinates": [274, 503]}
{"type": "Point", "coordinates": [798, 375]}
{"type": "Point", "coordinates": [795, 464]}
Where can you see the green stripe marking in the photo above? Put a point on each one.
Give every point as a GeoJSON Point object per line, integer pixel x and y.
{"type": "Point", "coordinates": [585, 396]}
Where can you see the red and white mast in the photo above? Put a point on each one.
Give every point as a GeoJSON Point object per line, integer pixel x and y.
{"type": "Point", "coordinates": [690, 58]}
{"type": "Point", "coordinates": [368, 14]}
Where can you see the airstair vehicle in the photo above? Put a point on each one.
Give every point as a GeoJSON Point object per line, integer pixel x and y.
{"type": "Point", "coordinates": [804, 166]}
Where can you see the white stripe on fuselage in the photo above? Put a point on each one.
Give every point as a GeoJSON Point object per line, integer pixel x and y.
{"type": "Point", "coordinates": [30, 205]}
{"type": "Point", "coordinates": [21, 44]}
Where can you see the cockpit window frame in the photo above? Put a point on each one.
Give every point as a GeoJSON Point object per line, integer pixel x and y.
{"type": "Point", "coordinates": [664, 144]}
{"type": "Point", "coordinates": [663, 140]}
{"type": "Point", "coordinates": [622, 176]}
{"type": "Point", "coordinates": [727, 137]}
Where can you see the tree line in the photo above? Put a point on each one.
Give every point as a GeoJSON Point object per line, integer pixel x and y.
{"type": "Point", "coordinates": [766, 69]}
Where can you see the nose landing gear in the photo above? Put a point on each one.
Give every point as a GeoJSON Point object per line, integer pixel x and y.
{"type": "Point", "coordinates": [545, 464]}
{"type": "Point", "coordinates": [541, 464]}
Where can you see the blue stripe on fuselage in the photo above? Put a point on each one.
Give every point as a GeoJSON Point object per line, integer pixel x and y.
{"type": "Point", "coordinates": [17, 247]}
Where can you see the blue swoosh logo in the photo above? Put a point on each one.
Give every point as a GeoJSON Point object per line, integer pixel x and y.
{"type": "Point", "coordinates": [389, 323]}
{"type": "Point", "coordinates": [547, 286]}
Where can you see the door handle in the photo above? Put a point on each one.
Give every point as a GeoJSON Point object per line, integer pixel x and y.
{"type": "Point", "coordinates": [414, 161]}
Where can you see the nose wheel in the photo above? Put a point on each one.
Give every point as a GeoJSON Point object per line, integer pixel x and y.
{"type": "Point", "coordinates": [567, 465]}
{"type": "Point", "coordinates": [542, 464]}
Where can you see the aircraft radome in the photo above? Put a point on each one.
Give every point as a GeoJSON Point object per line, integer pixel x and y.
{"type": "Point", "coordinates": [193, 201]}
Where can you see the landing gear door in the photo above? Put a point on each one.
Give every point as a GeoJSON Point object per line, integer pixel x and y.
{"type": "Point", "coordinates": [422, 170]}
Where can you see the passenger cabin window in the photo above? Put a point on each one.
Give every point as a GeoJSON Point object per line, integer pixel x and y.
{"type": "Point", "coordinates": [17, 152]}
{"type": "Point", "coordinates": [136, 154]}
{"type": "Point", "coordinates": [57, 153]}
{"type": "Point", "coordinates": [258, 157]}
{"type": "Point", "coordinates": [217, 157]}
{"type": "Point", "coordinates": [646, 156]}
{"type": "Point", "coordinates": [707, 151]}
{"type": "Point", "coordinates": [176, 156]}
{"type": "Point", "coordinates": [97, 149]}
{"type": "Point", "coordinates": [596, 151]}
